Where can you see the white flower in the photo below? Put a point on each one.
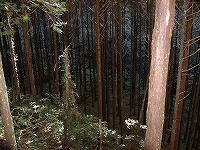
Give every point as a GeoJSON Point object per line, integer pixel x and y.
{"type": "Point", "coordinates": [130, 123]}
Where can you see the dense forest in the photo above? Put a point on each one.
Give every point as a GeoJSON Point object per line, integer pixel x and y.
{"type": "Point", "coordinates": [99, 74]}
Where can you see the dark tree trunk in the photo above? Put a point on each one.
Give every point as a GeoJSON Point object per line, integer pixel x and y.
{"type": "Point", "coordinates": [98, 62]}
{"type": "Point", "coordinates": [56, 53]}
{"type": "Point", "coordinates": [113, 67]}
{"type": "Point", "coordinates": [28, 60]}
{"type": "Point", "coordinates": [120, 70]}
{"type": "Point", "coordinates": [38, 55]}
{"type": "Point", "coordinates": [181, 83]}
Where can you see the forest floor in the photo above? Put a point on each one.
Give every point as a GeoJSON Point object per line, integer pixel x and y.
{"type": "Point", "coordinates": [93, 110]}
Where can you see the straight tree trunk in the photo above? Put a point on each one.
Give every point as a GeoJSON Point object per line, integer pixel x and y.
{"type": "Point", "coordinates": [113, 67]}
{"type": "Point", "coordinates": [140, 61]}
{"type": "Point", "coordinates": [90, 66]}
{"type": "Point", "coordinates": [45, 32]}
{"type": "Point", "coordinates": [56, 61]}
{"type": "Point", "coordinates": [5, 112]}
{"type": "Point", "coordinates": [36, 34]}
{"type": "Point", "coordinates": [15, 76]}
{"type": "Point", "coordinates": [120, 70]}
{"type": "Point", "coordinates": [181, 82]}
{"type": "Point", "coordinates": [83, 56]}
{"type": "Point", "coordinates": [28, 60]}
{"type": "Point", "coordinates": [20, 66]}
{"type": "Point", "coordinates": [194, 110]}
{"type": "Point", "coordinates": [133, 56]}
{"type": "Point", "coordinates": [162, 33]}
{"type": "Point", "coordinates": [168, 91]}
{"type": "Point", "coordinates": [98, 61]}
{"type": "Point", "coordinates": [51, 71]}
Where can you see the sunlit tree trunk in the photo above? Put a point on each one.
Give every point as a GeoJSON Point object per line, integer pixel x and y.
{"type": "Point", "coordinates": [162, 33]}
{"type": "Point", "coordinates": [5, 112]}
{"type": "Point", "coordinates": [15, 77]}
{"type": "Point", "coordinates": [20, 66]}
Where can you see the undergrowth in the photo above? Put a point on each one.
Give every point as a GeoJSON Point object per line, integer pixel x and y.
{"type": "Point", "coordinates": [40, 126]}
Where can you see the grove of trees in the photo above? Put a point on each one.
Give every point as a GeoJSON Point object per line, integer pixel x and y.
{"type": "Point", "coordinates": [91, 74]}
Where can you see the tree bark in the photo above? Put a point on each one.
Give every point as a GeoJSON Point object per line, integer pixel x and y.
{"type": "Point", "coordinates": [56, 61]}
{"type": "Point", "coordinates": [15, 77]}
{"type": "Point", "coordinates": [120, 69]}
{"type": "Point", "coordinates": [98, 61]}
{"type": "Point", "coordinates": [5, 112]}
{"type": "Point", "coordinates": [181, 82]}
{"type": "Point", "coordinates": [28, 60]}
{"type": "Point", "coordinates": [162, 33]}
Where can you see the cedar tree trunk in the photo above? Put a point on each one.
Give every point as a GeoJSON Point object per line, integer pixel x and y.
{"type": "Point", "coordinates": [161, 39]}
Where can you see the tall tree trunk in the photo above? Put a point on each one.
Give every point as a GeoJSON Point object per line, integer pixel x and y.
{"type": "Point", "coordinates": [98, 61]}
{"type": "Point", "coordinates": [56, 61]}
{"type": "Point", "coordinates": [133, 57]}
{"type": "Point", "coordinates": [90, 57]}
{"type": "Point", "coordinates": [5, 112]}
{"type": "Point", "coordinates": [120, 70]}
{"type": "Point", "coordinates": [181, 82]}
{"type": "Point", "coordinates": [15, 76]}
{"type": "Point", "coordinates": [51, 71]}
{"type": "Point", "coordinates": [162, 33]}
{"type": "Point", "coordinates": [194, 110]}
{"type": "Point", "coordinates": [28, 60]}
{"type": "Point", "coordinates": [20, 66]}
{"type": "Point", "coordinates": [36, 34]}
{"type": "Point", "coordinates": [83, 56]}
{"type": "Point", "coordinates": [113, 66]}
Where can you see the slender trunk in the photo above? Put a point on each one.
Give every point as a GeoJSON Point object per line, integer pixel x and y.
{"type": "Point", "coordinates": [13, 61]}
{"type": "Point", "coordinates": [181, 84]}
{"type": "Point", "coordinates": [113, 66]}
{"type": "Point", "coordinates": [194, 97]}
{"type": "Point", "coordinates": [98, 61]}
{"type": "Point", "coordinates": [56, 61]}
{"type": "Point", "coordinates": [83, 56]}
{"type": "Point", "coordinates": [120, 73]}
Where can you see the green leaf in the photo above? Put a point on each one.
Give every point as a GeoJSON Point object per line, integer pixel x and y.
{"type": "Point", "coordinates": [26, 18]}
{"type": "Point", "coordinates": [23, 6]}
{"type": "Point", "coordinates": [55, 28]}
{"type": "Point", "coordinates": [16, 21]}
